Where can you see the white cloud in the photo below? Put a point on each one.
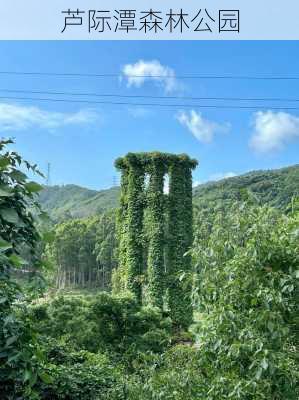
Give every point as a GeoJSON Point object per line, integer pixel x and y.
{"type": "Point", "coordinates": [18, 117]}
{"type": "Point", "coordinates": [166, 184]}
{"type": "Point", "coordinates": [221, 175]}
{"type": "Point", "coordinates": [273, 130]}
{"type": "Point", "coordinates": [196, 183]}
{"type": "Point", "coordinates": [139, 112]}
{"type": "Point", "coordinates": [203, 129]}
{"type": "Point", "coordinates": [140, 72]}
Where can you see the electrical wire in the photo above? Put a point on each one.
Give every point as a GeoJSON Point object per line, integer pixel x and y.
{"type": "Point", "coordinates": [149, 104]}
{"type": "Point", "coordinates": [105, 75]}
{"type": "Point", "coordinates": [60, 93]}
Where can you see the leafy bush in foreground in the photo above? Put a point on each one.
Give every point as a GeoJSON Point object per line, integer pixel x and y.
{"type": "Point", "coordinates": [104, 323]}
{"type": "Point", "coordinates": [18, 346]}
{"type": "Point", "coordinates": [174, 375]}
{"type": "Point", "coordinates": [127, 328]}
{"type": "Point", "coordinates": [82, 376]}
{"type": "Point", "coordinates": [246, 296]}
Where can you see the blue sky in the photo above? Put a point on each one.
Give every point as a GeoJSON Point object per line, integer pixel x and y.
{"type": "Point", "coordinates": [81, 141]}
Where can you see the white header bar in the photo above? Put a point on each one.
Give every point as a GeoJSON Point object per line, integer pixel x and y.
{"type": "Point", "coordinates": [149, 20]}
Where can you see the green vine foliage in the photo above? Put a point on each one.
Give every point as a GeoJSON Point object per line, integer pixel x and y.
{"type": "Point", "coordinates": [134, 225]}
{"type": "Point", "coordinates": [169, 216]}
{"type": "Point", "coordinates": [119, 277]}
{"type": "Point", "coordinates": [155, 203]}
{"type": "Point", "coordinates": [179, 242]}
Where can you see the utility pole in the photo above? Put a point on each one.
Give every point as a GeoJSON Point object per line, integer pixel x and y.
{"type": "Point", "coordinates": [48, 177]}
{"type": "Point", "coordinates": [114, 183]}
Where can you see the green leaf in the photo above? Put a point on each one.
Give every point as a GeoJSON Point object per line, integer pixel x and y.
{"type": "Point", "coordinates": [270, 326]}
{"type": "Point", "coordinates": [18, 175]}
{"type": "Point", "coordinates": [182, 276]}
{"type": "Point", "coordinates": [16, 260]}
{"type": "Point", "coordinates": [33, 187]}
{"type": "Point", "coordinates": [4, 245]}
{"type": "Point", "coordinates": [3, 300]}
{"type": "Point", "coordinates": [11, 340]}
{"type": "Point", "coordinates": [259, 373]}
{"type": "Point", "coordinates": [14, 357]}
{"type": "Point", "coordinates": [5, 191]}
{"type": "Point", "coordinates": [46, 378]}
{"type": "Point", "coordinates": [264, 364]}
{"type": "Point", "coordinates": [4, 162]}
{"type": "Point", "coordinates": [27, 375]}
{"type": "Point", "coordinates": [48, 237]}
{"type": "Point", "coordinates": [44, 217]}
{"type": "Point", "coordinates": [10, 215]}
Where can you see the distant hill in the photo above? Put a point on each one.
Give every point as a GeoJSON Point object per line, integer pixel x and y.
{"type": "Point", "coordinates": [72, 201]}
{"type": "Point", "coordinates": [273, 187]}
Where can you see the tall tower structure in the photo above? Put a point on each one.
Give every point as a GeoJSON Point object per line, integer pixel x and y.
{"type": "Point", "coordinates": [162, 244]}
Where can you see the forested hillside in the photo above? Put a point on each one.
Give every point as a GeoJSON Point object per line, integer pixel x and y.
{"type": "Point", "coordinates": [72, 201]}
{"type": "Point", "coordinates": [274, 187]}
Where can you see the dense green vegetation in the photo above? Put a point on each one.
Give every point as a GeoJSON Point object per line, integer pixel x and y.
{"type": "Point", "coordinates": [18, 345]}
{"type": "Point", "coordinates": [83, 252]}
{"type": "Point", "coordinates": [274, 187]}
{"type": "Point", "coordinates": [241, 344]}
{"type": "Point", "coordinates": [246, 294]}
{"type": "Point", "coordinates": [155, 230]}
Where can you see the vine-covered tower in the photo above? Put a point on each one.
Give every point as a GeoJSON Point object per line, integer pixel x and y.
{"type": "Point", "coordinates": [155, 229]}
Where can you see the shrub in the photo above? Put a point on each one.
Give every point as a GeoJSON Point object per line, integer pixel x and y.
{"type": "Point", "coordinates": [246, 296]}
{"type": "Point", "coordinates": [127, 328]}
{"type": "Point", "coordinates": [67, 318]}
{"type": "Point", "coordinates": [84, 376]}
{"type": "Point", "coordinates": [175, 375]}
{"type": "Point", "coordinates": [18, 347]}
{"type": "Point", "coordinates": [104, 323]}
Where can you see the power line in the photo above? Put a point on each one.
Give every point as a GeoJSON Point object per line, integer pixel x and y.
{"type": "Point", "coordinates": [148, 96]}
{"type": "Point", "coordinates": [89, 75]}
{"type": "Point", "coordinates": [148, 104]}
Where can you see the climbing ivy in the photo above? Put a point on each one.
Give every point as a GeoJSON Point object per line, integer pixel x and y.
{"type": "Point", "coordinates": [121, 231]}
{"type": "Point", "coordinates": [176, 241]}
{"type": "Point", "coordinates": [177, 208]}
{"type": "Point", "coordinates": [132, 251]}
{"type": "Point", "coordinates": [155, 204]}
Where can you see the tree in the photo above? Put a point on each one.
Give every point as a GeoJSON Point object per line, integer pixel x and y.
{"type": "Point", "coordinates": [106, 247]}
{"type": "Point", "coordinates": [246, 294]}
{"type": "Point", "coordinates": [18, 348]}
{"type": "Point", "coordinates": [84, 251]}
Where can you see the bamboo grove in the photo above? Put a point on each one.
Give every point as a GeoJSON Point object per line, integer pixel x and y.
{"type": "Point", "coordinates": [151, 260]}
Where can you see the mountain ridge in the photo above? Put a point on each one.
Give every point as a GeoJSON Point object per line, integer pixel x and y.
{"type": "Point", "coordinates": [275, 187]}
